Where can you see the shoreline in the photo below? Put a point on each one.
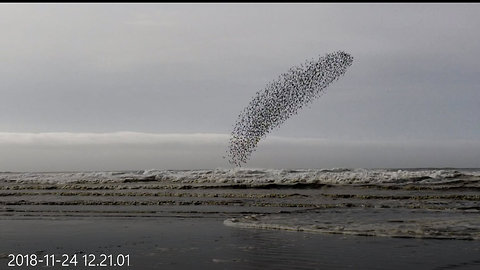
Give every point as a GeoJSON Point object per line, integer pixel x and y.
{"type": "Point", "coordinates": [178, 220]}
{"type": "Point", "coordinates": [166, 243]}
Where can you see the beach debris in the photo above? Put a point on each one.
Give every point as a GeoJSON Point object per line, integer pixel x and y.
{"type": "Point", "coordinates": [281, 99]}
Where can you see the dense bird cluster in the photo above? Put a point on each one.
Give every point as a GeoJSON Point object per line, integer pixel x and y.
{"type": "Point", "coordinates": [281, 99]}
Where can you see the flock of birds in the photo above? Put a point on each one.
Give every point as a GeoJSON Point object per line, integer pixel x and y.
{"type": "Point", "coordinates": [282, 98]}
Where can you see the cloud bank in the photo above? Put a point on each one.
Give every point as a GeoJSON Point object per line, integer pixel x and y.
{"type": "Point", "coordinates": [63, 151]}
{"type": "Point", "coordinates": [121, 138]}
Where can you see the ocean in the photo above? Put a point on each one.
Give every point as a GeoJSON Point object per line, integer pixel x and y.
{"type": "Point", "coordinates": [248, 218]}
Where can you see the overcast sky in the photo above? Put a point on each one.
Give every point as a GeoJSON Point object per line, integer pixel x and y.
{"type": "Point", "coordinates": [139, 86]}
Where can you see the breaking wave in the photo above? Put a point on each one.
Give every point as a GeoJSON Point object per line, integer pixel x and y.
{"type": "Point", "coordinates": [252, 176]}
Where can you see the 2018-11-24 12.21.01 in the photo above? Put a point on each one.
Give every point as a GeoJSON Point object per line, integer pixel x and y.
{"type": "Point", "coordinates": [66, 260]}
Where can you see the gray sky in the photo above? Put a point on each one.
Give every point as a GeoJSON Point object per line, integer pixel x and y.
{"type": "Point", "coordinates": [137, 86]}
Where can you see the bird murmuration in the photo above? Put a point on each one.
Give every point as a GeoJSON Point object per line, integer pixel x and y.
{"type": "Point", "coordinates": [281, 99]}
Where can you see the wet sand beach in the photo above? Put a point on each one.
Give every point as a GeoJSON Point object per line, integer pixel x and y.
{"type": "Point", "coordinates": [205, 243]}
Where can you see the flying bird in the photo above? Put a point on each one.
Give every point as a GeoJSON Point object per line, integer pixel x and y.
{"type": "Point", "coordinates": [281, 99]}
